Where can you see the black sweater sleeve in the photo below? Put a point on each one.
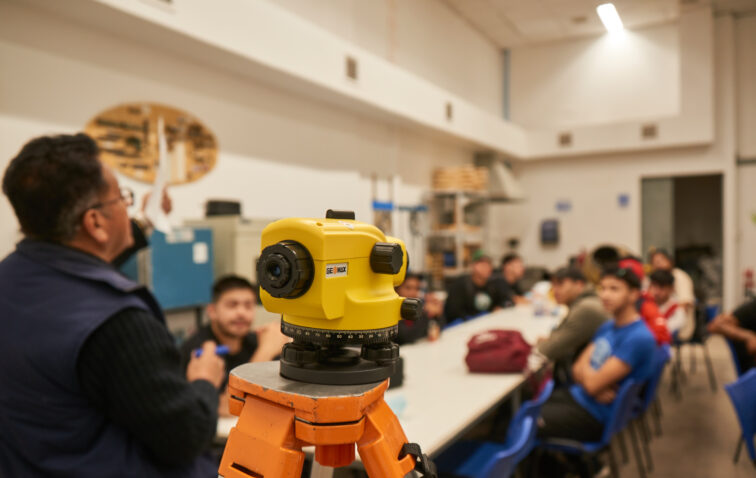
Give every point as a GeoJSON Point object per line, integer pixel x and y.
{"type": "Point", "coordinates": [130, 369]}
{"type": "Point", "coordinates": [456, 299]}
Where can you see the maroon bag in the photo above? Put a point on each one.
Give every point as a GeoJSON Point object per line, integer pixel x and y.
{"type": "Point", "coordinates": [497, 351]}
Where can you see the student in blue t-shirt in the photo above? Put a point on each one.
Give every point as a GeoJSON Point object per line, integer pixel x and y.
{"type": "Point", "coordinates": [621, 349]}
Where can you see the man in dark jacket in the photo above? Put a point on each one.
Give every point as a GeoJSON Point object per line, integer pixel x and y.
{"type": "Point", "coordinates": [478, 292]}
{"type": "Point", "coordinates": [91, 379]}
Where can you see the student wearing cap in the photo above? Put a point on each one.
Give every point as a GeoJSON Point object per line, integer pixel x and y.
{"type": "Point", "coordinates": [430, 321]}
{"type": "Point", "coordinates": [586, 314]}
{"type": "Point", "coordinates": [478, 292]}
{"type": "Point", "coordinates": [662, 289]}
{"type": "Point", "coordinates": [232, 315]}
{"type": "Point", "coordinates": [512, 272]}
{"type": "Point", "coordinates": [620, 350]}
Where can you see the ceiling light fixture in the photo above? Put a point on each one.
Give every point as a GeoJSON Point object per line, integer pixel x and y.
{"type": "Point", "coordinates": [609, 17]}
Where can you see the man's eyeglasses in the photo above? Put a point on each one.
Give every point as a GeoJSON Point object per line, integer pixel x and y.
{"type": "Point", "coordinates": [127, 196]}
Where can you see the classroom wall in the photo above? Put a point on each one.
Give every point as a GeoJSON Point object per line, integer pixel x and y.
{"type": "Point", "coordinates": [592, 185]}
{"type": "Point", "coordinates": [424, 37]}
{"type": "Point", "coordinates": [746, 145]}
{"type": "Point", "coordinates": [633, 75]}
{"type": "Point", "coordinates": [745, 29]}
{"type": "Point", "coordinates": [280, 154]}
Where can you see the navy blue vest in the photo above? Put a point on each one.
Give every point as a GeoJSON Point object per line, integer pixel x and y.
{"type": "Point", "coordinates": [51, 299]}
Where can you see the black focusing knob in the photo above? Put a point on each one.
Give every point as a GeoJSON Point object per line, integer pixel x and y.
{"type": "Point", "coordinates": [386, 258]}
{"type": "Point", "coordinates": [300, 354]}
{"type": "Point", "coordinates": [381, 353]}
{"type": "Point", "coordinates": [411, 309]}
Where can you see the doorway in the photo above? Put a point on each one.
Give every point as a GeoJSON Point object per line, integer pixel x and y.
{"type": "Point", "coordinates": [683, 215]}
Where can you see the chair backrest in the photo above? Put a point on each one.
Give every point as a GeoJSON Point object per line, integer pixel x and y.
{"type": "Point", "coordinates": [735, 360]}
{"type": "Point", "coordinates": [661, 357]}
{"type": "Point", "coordinates": [528, 410]}
{"type": "Point", "coordinates": [532, 408]}
{"type": "Point", "coordinates": [502, 464]}
{"type": "Point", "coordinates": [622, 409]}
{"type": "Point", "coordinates": [743, 395]}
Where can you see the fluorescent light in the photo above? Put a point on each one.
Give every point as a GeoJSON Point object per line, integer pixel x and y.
{"type": "Point", "coordinates": [609, 17]}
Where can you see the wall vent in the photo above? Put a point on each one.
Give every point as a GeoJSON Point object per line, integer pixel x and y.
{"type": "Point", "coordinates": [649, 131]}
{"type": "Point", "coordinates": [564, 139]}
{"type": "Point", "coordinates": [351, 67]}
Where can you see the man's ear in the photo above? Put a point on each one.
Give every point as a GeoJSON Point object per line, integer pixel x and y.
{"type": "Point", "coordinates": [210, 311]}
{"type": "Point", "coordinates": [92, 225]}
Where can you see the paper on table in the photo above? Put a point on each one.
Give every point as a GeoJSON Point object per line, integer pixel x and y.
{"type": "Point", "coordinates": [153, 209]}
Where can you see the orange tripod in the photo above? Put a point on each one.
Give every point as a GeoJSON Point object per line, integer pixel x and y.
{"type": "Point", "coordinates": [278, 416]}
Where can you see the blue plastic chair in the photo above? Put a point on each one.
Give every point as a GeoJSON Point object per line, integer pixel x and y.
{"type": "Point", "coordinates": [743, 395]}
{"type": "Point", "coordinates": [497, 460]}
{"type": "Point", "coordinates": [662, 355]}
{"type": "Point", "coordinates": [621, 414]}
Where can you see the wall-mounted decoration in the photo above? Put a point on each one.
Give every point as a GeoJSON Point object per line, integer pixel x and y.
{"type": "Point", "coordinates": [128, 139]}
{"type": "Point", "coordinates": [564, 206]}
{"type": "Point", "coordinates": [549, 232]}
{"type": "Point", "coordinates": [623, 200]}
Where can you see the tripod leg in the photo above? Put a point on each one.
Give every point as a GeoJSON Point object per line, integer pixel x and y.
{"type": "Point", "coordinates": [382, 442]}
{"type": "Point", "coordinates": [259, 445]}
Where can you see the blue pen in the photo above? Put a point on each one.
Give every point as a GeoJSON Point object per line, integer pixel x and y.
{"type": "Point", "coordinates": [219, 350]}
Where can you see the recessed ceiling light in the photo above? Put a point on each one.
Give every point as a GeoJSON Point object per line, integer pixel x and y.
{"type": "Point", "coordinates": [609, 17]}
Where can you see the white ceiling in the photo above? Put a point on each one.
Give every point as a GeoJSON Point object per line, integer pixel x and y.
{"type": "Point", "coordinates": [510, 23]}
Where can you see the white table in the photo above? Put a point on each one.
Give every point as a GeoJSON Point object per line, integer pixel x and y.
{"type": "Point", "coordinates": [443, 400]}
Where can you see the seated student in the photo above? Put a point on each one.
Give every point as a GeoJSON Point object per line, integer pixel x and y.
{"type": "Point", "coordinates": [512, 271]}
{"type": "Point", "coordinates": [428, 325]}
{"type": "Point", "coordinates": [662, 290]}
{"type": "Point", "coordinates": [476, 293]}
{"type": "Point", "coordinates": [646, 306]}
{"type": "Point", "coordinates": [684, 291]}
{"type": "Point", "coordinates": [740, 327]}
{"type": "Point", "coordinates": [232, 314]}
{"type": "Point", "coordinates": [586, 314]}
{"type": "Point", "coordinates": [621, 349]}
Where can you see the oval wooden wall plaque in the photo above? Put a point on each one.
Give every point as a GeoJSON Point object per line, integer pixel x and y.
{"type": "Point", "coordinates": [128, 139]}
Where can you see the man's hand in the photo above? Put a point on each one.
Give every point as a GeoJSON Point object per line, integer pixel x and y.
{"type": "Point", "coordinates": [606, 396]}
{"type": "Point", "coordinates": [270, 341]}
{"type": "Point", "coordinates": [751, 345]}
{"type": "Point", "coordinates": [433, 306]}
{"type": "Point", "coordinates": [223, 410]}
{"type": "Point", "coordinates": [207, 366]}
{"type": "Point", "coordinates": [720, 322]}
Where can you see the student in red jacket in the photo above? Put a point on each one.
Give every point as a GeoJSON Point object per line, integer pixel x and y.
{"type": "Point", "coordinates": [646, 305]}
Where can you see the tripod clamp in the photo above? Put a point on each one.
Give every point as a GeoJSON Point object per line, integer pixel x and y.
{"type": "Point", "coordinates": [423, 464]}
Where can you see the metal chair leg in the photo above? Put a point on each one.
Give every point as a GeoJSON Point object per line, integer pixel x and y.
{"type": "Point", "coordinates": [692, 360]}
{"type": "Point", "coordinates": [656, 413]}
{"type": "Point", "coordinates": [613, 461]}
{"type": "Point", "coordinates": [623, 447]}
{"type": "Point", "coordinates": [736, 458]}
{"type": "Point", "coordinates": [646, 439]}
{"type": "Point", "coordinates": [710, 368]}
{"type": "Point", "coordinates": [636, 451]}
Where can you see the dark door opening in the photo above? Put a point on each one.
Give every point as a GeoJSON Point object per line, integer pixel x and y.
{"type": "Point", "coordinates": [683, 215]}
